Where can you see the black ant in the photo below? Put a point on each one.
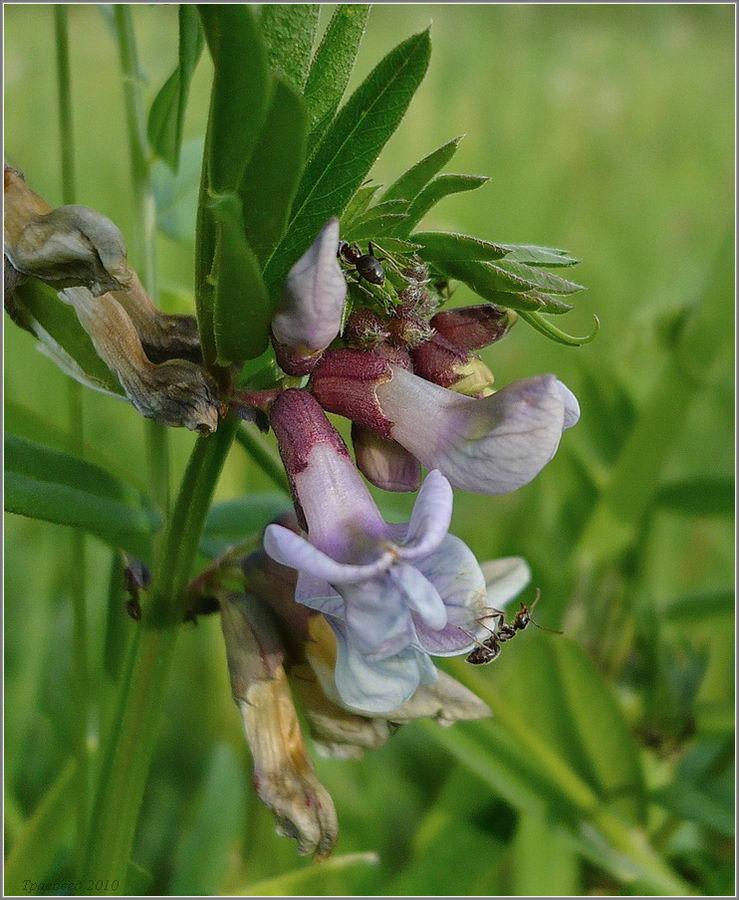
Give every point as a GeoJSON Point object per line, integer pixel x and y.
{"type": "Point", "coordinates": [488, 650]}
{"type": "Point", "coordinates": [367, 265]}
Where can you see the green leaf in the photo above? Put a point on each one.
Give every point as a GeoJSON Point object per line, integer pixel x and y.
{"type": "Point", "coordinates": [202, 857]}
{"type": "Point", "coordinates": [379, 226]}
{"type": "Point", "coordinates": [43, 835]}
{"type": "Point", "coordinates": [61, 324]}
{"type": "Point", "coordinates": [167, 114]}
{"type": "Point", "coordinates": [240, 92]}
{"type": "Point", "coordinates": [701, 607]}
{"type": "Point", "coordinates": [332, 66]}
{"type": "Point", "coordinates": [414, 180]}
{"type": "Point", "coordinates": [385, 207]}
{"type": "Point", "coordinates": [532, 255]}
{"type": "Point", "coordinates": [241, 309]}
{"type": "Point", "coordinates": [538, 278]}
{"type": "Point", "coordinates": [289, 30]}
{"type": "Point", "coordinates": [235, 521]}
{"type": "Point", "coordinates": [350, 147]}
{"type": "Point", "coordinates": [491, 283]}
{"type": "Point", "coordinates": [359, 203]}
{"type": "Point", "coordinates": [448, 245]}
{"type": "Point", "coordinates": [302, 882]}
{"type": "Point", "coordinates": [27, 423]}
{"type": "Point", "coordinates": [692, 802]}
{"type": "Point", "coordinates": [545, 327]}
{"type": "Point", "coordinates": [441, 186]}
{"type": "Point", "coordinates": [698, 496]}
{"type": "Point", "coordinates": [176, 194]}
{"type": "Point", "coordinates": [272, 175]}
{"type": "Point", "coordinates": [56, 487]}
{"type": "Point", "coordinates": [546, 861]}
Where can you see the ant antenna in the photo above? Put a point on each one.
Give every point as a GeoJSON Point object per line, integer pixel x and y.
{"type": "Point", "coordinates": [536, 624]}
{"type": "Point", "coordinates": [472, 637]}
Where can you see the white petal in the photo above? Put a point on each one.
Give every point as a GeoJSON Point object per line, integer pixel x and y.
{"type": "Point", "coordinates": [420, 595]}
{"type": "Point", "coordinates": [378, 621]}
{"type": "Point", "coordinates": [318, 594]}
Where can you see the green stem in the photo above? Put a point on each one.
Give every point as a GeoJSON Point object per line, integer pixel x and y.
{"type": "Point", "coordinates": [78, 560]}
{"type": "Point", "coordinates": [136, 126]}
{"type": "Point", "coordinates": [132, 737]}
{"type": "Point", "coordinates": [145, 218]}
{"type": "Point", "coordinates": [263, 458]}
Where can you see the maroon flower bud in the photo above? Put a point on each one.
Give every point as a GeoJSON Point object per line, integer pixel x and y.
{"type": "Point", "coordinates": [398, 356]}
{"type": "Point", "coordinates": [473, 327]}
{"type": "Point", "coordinates": [438, 360]}
{"type": "Point", "coordinates": [365, 329]}
{"type": "Point", "coordinates": [385, 463]}
{"type": "Point", "coordinates": [345, 382]}
{"type": "Point", "coordinates": [409, 330]}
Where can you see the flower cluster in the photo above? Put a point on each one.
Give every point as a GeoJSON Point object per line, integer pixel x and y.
{"type": "Point", "coordinates": [395, 595]}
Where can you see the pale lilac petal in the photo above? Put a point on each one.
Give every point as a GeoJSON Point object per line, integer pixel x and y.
{"type": "Point", "coordinates": [572, 407]}
{"type": "Point", "coordinates": [420, 595]}
{"type": "Point", "coordinates": [318, 594]}
{"type": "Point", "coordinates": [504, 579]}
{"type": "Point", "coordinates": [376, 687]}
{"type": "Point", "coordinates": [309, 316]}
{"type": "Point", "coordinates": [290, 549]}
{"type": "Point", "coordinates": [430, 518]}
{"type": "Point", "coordinates": [489, 446]}
{"type": "Point", "coordinates": [378, 621]}
{"type": "Point", "coordinates": [455, 573]}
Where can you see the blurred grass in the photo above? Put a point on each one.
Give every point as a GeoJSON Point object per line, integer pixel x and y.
{"type": "Point", "coordinates": [607, 130]}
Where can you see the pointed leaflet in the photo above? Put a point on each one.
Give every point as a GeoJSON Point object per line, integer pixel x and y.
{"type": "Point", "coordinates": [441, 186]}
{"type": "Point", "coordinates": [381, 226]}
{"type": "Point", "coordinates": [448, 245]}
{"type": "Point", "coordinates": [332, 66]}
{"type": "Point", "coordinates": [271, 177]}
{"type": "Point", "coordinates": [289, 30]}
{"type": "Point", "coordinates": [539, 256]}
{"type": "Point", "coordinates": [538, 278]}
{"type": "Point", "coordinates": [240, 92]}
{"type": "Point", "coordinates": [491, 283]}
{"type": "Point", "coordinates": [56, 487]}
{"type": "Point", "coordinates": [238, 107]}
{"type": "Point", "coordinates": [357, 206]}
{"type": "Point", "coordinates": [350, 147]}
{"type": "Point", "coordinates": [241, 310]}
{"type": "Point", "coordinates": [412, 182]}
{"type": "Point", "coordinates": [167, 113]}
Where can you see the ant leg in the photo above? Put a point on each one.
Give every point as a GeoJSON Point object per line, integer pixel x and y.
{"type": "Point", "coordinates": [473, 638]}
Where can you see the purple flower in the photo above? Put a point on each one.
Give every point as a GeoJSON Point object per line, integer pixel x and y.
{"type": "Point", "coordinates": [492, 445]}
{"type": "Point", "coordinates": [391, 593]}
{"type": "Point", "coordinates": [309, 316]}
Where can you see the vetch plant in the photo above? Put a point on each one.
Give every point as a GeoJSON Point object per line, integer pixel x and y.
{"type": "Point", "coordinates": [316, 291]}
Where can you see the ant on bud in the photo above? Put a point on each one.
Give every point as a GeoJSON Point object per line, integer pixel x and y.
{"type": "Point", "coordinates": [489, 649]}
{"type": "Point", "coordinates": [367, 265]}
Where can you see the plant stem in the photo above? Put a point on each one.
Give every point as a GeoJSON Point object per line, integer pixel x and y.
{"type": "Point", "coordinates": [78, 560]}
{"type": "Point", "coordinates": [145, 218]}
{"type": "Point", "coordinates": [263, 458]}
{"type": "Point", "coordinates": [132, 737]}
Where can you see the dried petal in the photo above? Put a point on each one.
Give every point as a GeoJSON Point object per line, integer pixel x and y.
{"type": "Point", "coordinates": [283, 774]}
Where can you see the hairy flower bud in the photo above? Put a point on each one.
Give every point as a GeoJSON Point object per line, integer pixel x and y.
{"type": "Point", "coordinates": [473, 327]}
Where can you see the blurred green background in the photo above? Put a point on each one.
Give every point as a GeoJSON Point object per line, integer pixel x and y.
{"type": "Point", "coordinates": [608, 131]}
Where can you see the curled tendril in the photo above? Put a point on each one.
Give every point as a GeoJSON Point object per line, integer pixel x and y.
{"type": "Point", "coordinates": [542, 325]}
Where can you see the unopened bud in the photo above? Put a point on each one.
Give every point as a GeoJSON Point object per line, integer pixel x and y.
{"type": "Point", "coordinates": [440, 361]}
{"type": "Point", "coordinates": [385, 463]}
{"type": "Point", "coordinates": [474, 327]}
